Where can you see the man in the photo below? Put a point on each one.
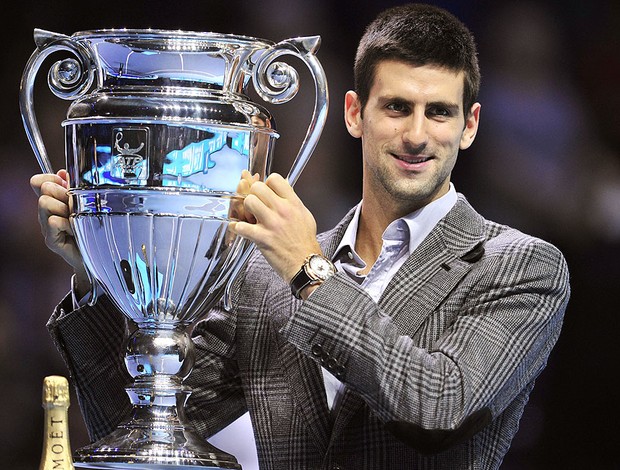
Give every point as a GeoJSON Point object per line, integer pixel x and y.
{"type": "Point", "coordinates": [418, 347]}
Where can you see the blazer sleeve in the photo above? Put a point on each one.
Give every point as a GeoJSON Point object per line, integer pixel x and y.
{"type": "Point", "coordinates": [92, 342]}
{"type": "Point", "coordinates": [505, 316]}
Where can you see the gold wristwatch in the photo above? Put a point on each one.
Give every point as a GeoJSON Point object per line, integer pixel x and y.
{"type": "Point", "coordinates": [316, 269]}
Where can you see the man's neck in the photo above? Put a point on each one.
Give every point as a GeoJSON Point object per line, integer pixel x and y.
{"type": "Point", "coordinates": [374, 219]}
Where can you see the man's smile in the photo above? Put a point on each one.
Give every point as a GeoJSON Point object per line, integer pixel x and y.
{"type": "Point", "coordinates": [410, 159]}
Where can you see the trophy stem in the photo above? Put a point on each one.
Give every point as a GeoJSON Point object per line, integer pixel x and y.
{"type": "Point", "coordinates": [158, 435]}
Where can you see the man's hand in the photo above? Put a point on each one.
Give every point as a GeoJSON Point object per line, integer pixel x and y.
{"type": "Point", "coordinates": [54, 220]}
{"type": "Point", "coordinates": [279, 224]}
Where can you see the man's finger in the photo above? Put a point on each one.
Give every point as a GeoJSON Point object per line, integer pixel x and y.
{"type": "Point", "coordinates": [50, 205]}
{"type": "Point", "coordinates": [55, 190]}
{"type": "Point", "coordinates": [255, 209]}
{"type": "Point", "coordinates": [37, 181]}
{"type": "Point", "coordinates": [280, 186]}
{"type": "Point", "coordinates": [245, 230]}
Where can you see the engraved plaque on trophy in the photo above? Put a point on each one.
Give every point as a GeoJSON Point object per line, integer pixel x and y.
{"type": "Point", "coordinates": [158, 131]}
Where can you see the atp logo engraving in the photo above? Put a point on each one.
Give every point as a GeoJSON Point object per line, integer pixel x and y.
{"type": "Point", "coordinates": [130, 160]}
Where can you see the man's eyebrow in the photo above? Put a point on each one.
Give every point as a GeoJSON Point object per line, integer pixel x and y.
{"type": "Point", "coordinates": [393, 98]}
{"type": "Point", "coordinates": [452, 107]}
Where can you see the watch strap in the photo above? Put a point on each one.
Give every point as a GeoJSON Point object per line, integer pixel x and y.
{"type": "Point", "coordinates": [300, 281]}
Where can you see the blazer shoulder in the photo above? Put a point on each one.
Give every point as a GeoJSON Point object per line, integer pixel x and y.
{"type": "Point", "coordinates": [519, 253]}
{"type": "Point", "coordinates": [503, 237]}
{"type": "Point", "coordinates": [504, 242]}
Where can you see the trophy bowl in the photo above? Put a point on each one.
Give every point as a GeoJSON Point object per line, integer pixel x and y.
{"type": "Point", "coordinates": [158, 131]}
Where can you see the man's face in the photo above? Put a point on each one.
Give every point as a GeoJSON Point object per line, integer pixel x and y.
{"type": "Point", "coordinates": [412, 128]}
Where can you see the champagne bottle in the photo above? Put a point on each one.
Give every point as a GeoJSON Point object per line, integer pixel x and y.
{"type": "Point", "coordinates": [56, 445]}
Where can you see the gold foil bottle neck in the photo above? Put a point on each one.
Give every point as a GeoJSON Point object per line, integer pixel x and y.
{"type": "Point", "coordinates": [56, 445]}
{"type": "Point", "coordinates": [55, 391]}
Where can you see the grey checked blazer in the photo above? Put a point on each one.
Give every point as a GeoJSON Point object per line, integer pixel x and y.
{"type": "Point", "coordinates": [437, 373]}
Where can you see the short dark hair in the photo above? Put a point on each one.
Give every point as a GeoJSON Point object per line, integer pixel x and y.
{"type": "Point", "coordinates": [418, 34]}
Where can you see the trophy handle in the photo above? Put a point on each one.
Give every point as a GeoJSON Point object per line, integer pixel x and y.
{"type": "Point", "coordinates": [67, 79]}
{"type": "Point", "coordinates": [278, 82]}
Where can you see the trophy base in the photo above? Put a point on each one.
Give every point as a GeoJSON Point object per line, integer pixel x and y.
{"type": "Point", "coordinates": [153, 449]}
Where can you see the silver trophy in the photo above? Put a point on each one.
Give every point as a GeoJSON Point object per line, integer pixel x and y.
{"type": "Point", "coordinates": [157, 134]}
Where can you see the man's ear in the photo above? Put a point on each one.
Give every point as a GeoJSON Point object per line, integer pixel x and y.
{"type": "Point", "coordinates": [471, 126]}
{"type": "Point", "coordinates": [353, 114]}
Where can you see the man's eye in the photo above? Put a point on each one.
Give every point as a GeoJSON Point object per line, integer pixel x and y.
{"type": "Point", "coordinates": [443, 112]}
{"type": "Point", "coordinates": [397, 107]}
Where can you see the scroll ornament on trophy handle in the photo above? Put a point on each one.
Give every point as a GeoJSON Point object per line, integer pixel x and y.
{"type": "Point", "coordinates": [67, 79]}
{"type": "Point", "coordinates": [278, 82]}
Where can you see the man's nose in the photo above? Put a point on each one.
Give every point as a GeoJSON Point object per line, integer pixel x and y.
{"type": "Point", "coordinates": [415, 132]}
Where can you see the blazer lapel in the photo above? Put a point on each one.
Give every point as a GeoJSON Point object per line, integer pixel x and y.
{"type": "Point", "coordinates": [431, 272]}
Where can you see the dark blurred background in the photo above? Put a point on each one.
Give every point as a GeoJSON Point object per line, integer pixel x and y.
{"type": "Point", "coordinates": [546, 160]}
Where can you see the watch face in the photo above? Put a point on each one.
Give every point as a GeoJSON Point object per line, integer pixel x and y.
{"type": "Point", "coordinates": [320, 268]}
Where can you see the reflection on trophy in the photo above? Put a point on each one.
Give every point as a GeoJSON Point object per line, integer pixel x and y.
{"type": "Point", "coordinates": [157, 134]}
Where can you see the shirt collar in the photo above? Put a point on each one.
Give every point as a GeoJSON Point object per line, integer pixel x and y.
{"type": "Point", "coordinates": [414, 226]}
